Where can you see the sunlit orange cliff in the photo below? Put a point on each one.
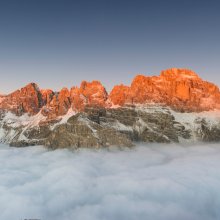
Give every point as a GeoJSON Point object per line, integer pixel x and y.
{"type": "Point", "coordinates": [180, 89]}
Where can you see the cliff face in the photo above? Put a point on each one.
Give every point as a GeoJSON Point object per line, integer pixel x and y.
{"type": "Point", "coordinates": [90, 93]}
{"type": "Point", "coordinates": [100, 127]}
{"type": "Point", "coordinates": [28, 99]}
{"type": "Point", "coordinates": [32, 100]}
{"type": "Point", "coordinates": [180, 89]}
{"type": "Point", "coordinates": [149, 110]}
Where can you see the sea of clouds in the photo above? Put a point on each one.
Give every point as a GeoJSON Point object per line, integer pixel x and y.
{"type": "Point", "coordinates": [152, 182]}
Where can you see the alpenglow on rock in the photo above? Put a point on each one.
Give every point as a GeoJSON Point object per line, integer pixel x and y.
{"type": "Point", "coordinates": [166, 108]}
{"type": "Point", "coordinates": [180, 89]}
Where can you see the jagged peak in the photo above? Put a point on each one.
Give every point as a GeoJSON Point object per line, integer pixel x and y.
{"type": "Point", "coordinates": [122, 86]}
{"type": "Point", "coordinates": [85, 84]}
{"type": "Point", "coordinates": [32, 85]}
{"type": "Point", "coordinates": [29, 87]}
{"type": "Point", "coordinates": [179, 73]}
{"type": "Point", "coordinates": [64, 89]}
{"type": "Point", "coordinates": [64, 92]}
{"type": "Point", "coordinates": [139, 77]}
{"type": "Point", "coordinates": [46, 91]}
{"type": "Point", "coordinates": [175, 87]}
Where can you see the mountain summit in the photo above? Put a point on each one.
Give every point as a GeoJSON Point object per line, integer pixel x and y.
{"type": "Point", "coordinates": [180, 89]}
{"type": "Point", "coordinates": [172, 107]}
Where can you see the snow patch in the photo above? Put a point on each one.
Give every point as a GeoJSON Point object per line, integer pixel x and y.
{"type": "Point", "coordinates": [87, 122]}
{"type": "Point", "coordinates": [188, 119]}
{"type": "Point", "coordinates": [121, 127]}
{"type": "Point", "coordinates": [63, 119]}
{"type": "Point", "coordinates": [25, 120]}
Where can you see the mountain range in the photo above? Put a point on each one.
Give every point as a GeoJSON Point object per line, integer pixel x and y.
{"type": "Point", "coordinates": [175, 106]}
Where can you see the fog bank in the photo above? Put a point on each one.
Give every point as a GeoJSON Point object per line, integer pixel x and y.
{"type": "Point", "coordinates": [155, 182]}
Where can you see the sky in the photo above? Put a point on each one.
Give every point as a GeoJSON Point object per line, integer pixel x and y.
{"type": "Point", "coordinates": [60, 43]}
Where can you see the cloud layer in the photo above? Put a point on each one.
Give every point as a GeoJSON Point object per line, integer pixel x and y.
{"type": "Point", "coordinates": [156, 182]}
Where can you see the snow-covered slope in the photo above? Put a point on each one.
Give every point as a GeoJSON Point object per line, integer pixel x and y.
{"type": "Point", "coordinates": [97, 127]}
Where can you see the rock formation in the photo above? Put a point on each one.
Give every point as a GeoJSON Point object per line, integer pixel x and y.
{"type": "Point", "coordinates": [88, 94]}
{"type": "Point", "coordinates": [27, 99]}
{"type": "Point", "coordinates": [181, 89]}
{"type": "Point", "coordinates": [149, 110]}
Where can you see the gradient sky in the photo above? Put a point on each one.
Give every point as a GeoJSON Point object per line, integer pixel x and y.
{"type": "Point", "coordinates": [60, 43]}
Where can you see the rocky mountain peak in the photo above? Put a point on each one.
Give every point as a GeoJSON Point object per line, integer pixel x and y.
{"type": "Point", "coordinates": [180, 89]}
{"type": "Point", "coordinates": [176, 73]}
{"type": "Point", "coordinates": [31, 86]}
{"type": "Point", "coordinates": [89, 93]}
{"type": "Point", "coordinates": [27, 99]}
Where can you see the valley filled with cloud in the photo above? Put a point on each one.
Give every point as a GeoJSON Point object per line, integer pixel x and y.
{"type": "Point", "coordinates": [146, 182]}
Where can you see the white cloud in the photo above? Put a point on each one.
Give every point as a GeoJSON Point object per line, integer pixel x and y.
{"type": "Point", "coordinates": [155, 182]}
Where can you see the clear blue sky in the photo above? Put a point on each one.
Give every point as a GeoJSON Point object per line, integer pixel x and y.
{"type": "Point", "coordinates": [60, 43]}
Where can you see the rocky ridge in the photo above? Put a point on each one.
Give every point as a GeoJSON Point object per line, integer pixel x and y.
{"type": "Point", "coordinates": [180, 89]}
{"type": "Point", "coordinates": [152, 109]}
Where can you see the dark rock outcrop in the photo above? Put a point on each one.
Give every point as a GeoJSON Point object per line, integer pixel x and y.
{"type": "Point", "coordinates": [98, 127]}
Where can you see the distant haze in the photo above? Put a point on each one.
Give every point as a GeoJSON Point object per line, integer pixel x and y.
{"type": "Point", "coordinates": [60, 43]}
